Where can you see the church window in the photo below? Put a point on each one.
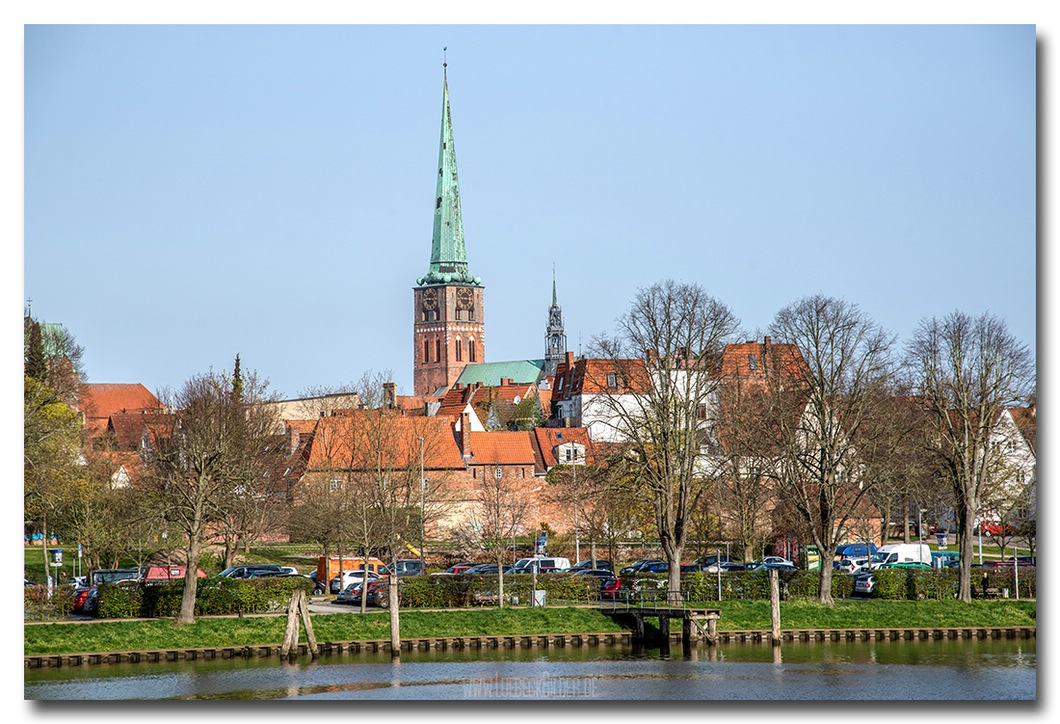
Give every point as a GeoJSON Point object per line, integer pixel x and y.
{"type": "Point", "coordinates": [459, 351]}
{"type": "Point", "coordinates": [437, 349]}
{"type": "Point", "coordinates": [471, 350]}
{"type": "Point", "coordinates": [426, 350]}
{"type": "Point", "coordinates": [471, 312]}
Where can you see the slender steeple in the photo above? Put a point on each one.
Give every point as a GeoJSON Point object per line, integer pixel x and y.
{"type": "Point", "coordinates": [448, 255]}
{"type": "Point", "coordinates": [555, 337]}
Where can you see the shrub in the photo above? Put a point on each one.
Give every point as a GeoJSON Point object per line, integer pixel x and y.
{"type": "Point", "coordinates": [37, 607]}
{"type": "Point", "coordinates": [215, 596]}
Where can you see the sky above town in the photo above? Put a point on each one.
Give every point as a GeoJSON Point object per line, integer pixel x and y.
{"type": "Point", "coordinates": [194, 192]}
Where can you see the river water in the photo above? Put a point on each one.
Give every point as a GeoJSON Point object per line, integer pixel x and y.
{"type": "Point", "coordinates": [990, 669]}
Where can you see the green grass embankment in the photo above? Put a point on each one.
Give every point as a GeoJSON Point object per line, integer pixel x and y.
{"type": "Point", "coordinates": [41, 639]}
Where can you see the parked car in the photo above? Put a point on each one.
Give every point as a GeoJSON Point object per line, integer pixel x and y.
{"type": "Point", "coordinates": [486, 569]}
{"type": "Point", "coordinates": [410, 567]}
{"type": "Point", "coordinates": [641, 566]}
{"type": "Point", "coordinates": [80, 595]}
{"type": "Point", "coordinates": [351, 594]}
{"type": "Point", "coordinates": [865, 584]}
{"type": "Point", "coordinates": [771, 562]}
{"type": "Point", "coordinates": [344, 579]}
{"type": "Point", "coordinates": [543, 564]}
{"type": "Point", "coordinates": [150, 575]}
{"type": "Point", "coordinates": [852, 565]}
{"type": "Point", "coordinates": [1021, 560]}
{"type": "Point", "coordinates": [114, 575]}
{"type": "Point", "coordinates": [712, 560]}
{"type": "Point", "coordinates": [906, 564]}
{"type": "Point", "coordinates": [587, 564]}
{"type": "Point", "coordinates": [249, 570]}
{"type": "Point", "coordinates": [455, 570]}
{"type": "Point", "coordinates": [594, 573]}
{"type": "Point", "coordinates": [611, 589]}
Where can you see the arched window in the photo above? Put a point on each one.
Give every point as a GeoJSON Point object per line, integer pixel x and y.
{"type": "Point", "coordinates": [459, 352]}
{"type": "Point", "coordinates": [426, 351]}
{"type": "Point", "coordinates": [437, 349]}
{"type": "Point", "coordinates": [471, 350]}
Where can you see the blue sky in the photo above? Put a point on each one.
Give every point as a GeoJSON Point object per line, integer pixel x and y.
{"type": "Point", "coordinates": [194, 192]}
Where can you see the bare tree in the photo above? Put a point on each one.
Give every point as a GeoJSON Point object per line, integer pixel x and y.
{"type": "Point", "coordinates": [503, 508]}
{"type": "Point", "coordinates": [821, 417]}
{"type": "Point", "coordinates": [210, 450]}
{"type": "Point", "coordinates": [745, 449]}
{"type": "Point", "coordinates": [659, 376]}
{"type": "Point", "coordinates": [968, 370]}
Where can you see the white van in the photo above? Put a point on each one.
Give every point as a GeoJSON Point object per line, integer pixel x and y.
{"type": "Point", "coordinates": [901, 553]}
{"type": "Point", "coordinates": [542, 564]}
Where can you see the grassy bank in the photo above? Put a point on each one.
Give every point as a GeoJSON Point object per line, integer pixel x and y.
{"type": "Point", "coordinates": [735, 616]}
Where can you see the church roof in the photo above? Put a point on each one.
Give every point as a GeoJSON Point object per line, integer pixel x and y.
{"type": "Point", "coordinates": [448, 255]}
{"type": "Point", "coordinates": [520, 371]}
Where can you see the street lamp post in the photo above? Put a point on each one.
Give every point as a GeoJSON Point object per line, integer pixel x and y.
{"type": "Point", "coordinates": [423, 525]}
{"type": "Point", "coordinates": [920, 524]}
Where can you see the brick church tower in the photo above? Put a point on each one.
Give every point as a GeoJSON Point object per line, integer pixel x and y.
{"type": "Point", "coordinates": [448, 303]}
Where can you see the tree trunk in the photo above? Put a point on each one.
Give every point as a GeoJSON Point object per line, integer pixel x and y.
{"type": "Point", "coordinates": [191, 580]}
{"type": "Point", "coordinates": [395, 619]}
{"type": "Point", "coordinates": [824, 597]}
{"type": "Point", "coordinates": [965, 515]}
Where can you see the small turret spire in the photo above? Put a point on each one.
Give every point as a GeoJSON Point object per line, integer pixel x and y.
{"type": "Point", "coordinates": [555, 336]}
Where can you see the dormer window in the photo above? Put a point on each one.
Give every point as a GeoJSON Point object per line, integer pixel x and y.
{"type": "Point", "coordinates": [612, 381]}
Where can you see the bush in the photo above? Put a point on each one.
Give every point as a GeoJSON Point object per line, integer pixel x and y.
{"type": "Point", "coordinates": [37, 607]}
{"type": "Point", "coordinates": [215, 596]}
{"type": "Point", "coordinates": [464, 591]}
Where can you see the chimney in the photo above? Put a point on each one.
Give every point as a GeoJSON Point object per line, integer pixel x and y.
{"type": "Point", "coordinates": [570, 360]}
{"type": "Point", "coordinates": [292, 439]}
{"type": "Point", "coordinates": [767, 340]}
{"type": "Point", "coordinates": [389, 395]}
{"type": "Point", "coordinates": [506, 381]}
{"type": "Point", "coordinates": [465, 434]}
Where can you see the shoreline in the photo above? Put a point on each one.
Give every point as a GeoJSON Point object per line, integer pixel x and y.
{"type": "Point", "coordinates": [332, 648]}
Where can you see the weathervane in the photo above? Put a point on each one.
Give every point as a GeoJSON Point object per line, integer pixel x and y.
{"type": "Point", "coordinates": [443, 56]}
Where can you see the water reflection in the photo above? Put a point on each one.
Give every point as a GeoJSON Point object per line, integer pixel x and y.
{"type": "Point", "coordinates": [969, 670]}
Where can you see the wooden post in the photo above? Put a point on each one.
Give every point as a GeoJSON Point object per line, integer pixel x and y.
{"type": "Point", "coordinates": [290, 635]}
{"type": "Point", "coordinates": [774, 604]}
{"type": "Point", "coordinates": [303, 609]}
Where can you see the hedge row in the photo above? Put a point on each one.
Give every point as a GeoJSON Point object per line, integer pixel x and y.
{"type": "Point", "coordinates": [215, 596]}
{"type": "Point", "coordinates": [900, 584]}
{"type": "Point", "coordinates": [462, 590]}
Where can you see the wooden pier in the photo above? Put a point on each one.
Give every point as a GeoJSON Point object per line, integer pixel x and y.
{"type": "Point", "coordinates": [697, 624]}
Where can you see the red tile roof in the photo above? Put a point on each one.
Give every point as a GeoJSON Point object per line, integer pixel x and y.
{"type": "Point", "coordinates": [501, 448]}
{"type": "Point", "coordinates": [767, 355]}
{"type": "Point", "coordinates": [104, 400]}
{"type": "Point", "coordinates": [1026, 420]}
{"type": "Point", "coordinates": [591, 376]}
{"type": "Point", "coordinates": [352, 441]}
{"type": "Point", "coordinates": [547, 438]}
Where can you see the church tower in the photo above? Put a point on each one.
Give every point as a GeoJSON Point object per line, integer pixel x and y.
{"type": "Point", "coordinates": [555, 337]}
{"type": "Point", "coordinates": [448, 303]}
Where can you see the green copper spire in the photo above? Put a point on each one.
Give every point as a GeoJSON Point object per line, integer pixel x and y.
{"type": "Point", "coordinates": [448, 257]}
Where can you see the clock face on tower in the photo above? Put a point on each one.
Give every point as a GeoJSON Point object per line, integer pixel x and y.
{"type": "Point", "coordinates": [465, 299]}
{"type": "Point", "coordinates": [430, 299]}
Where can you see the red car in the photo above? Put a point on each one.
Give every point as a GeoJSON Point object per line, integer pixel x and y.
{"type": "Point", "coordinates": [611, 589]}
